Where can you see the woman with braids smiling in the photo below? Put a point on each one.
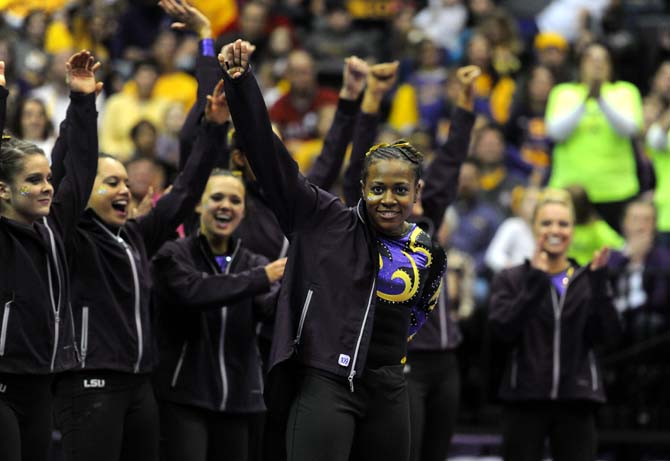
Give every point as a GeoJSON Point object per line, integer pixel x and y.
{"type": "Point", "coordinates": [359, 281]}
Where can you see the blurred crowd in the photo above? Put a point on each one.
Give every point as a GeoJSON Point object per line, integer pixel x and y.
{"type": "Point", "coordinates": [573, 93]}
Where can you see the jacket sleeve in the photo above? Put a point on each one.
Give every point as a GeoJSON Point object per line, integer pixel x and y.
{"type": "Point", "coordinates": [294, 200]}
{"type": "Point", "coordinates": [365, 135]}
{"type": "Point", "coordinates": [170, 211]}
{"type": "Point", "coordinates": [511, 303]}
{"type": "Point", "coordinates": [186, 286]}
{"type": "Point", "coordinates": [80, 162]}
{"type": "Point", "coordinates": [265, 304]}
{"type": "Point", "coordinates": [432, 291]}
{"type": "Point", "coordinates": [58, 154]}
{"type": "Point", "coordinates": [603, 326]}
{"type": "Point", "coordinates": [207, 73]}
{"type": "Point", "coordinates": [328, 165]}
{"type": "Point", "coordinates": [441, 179]}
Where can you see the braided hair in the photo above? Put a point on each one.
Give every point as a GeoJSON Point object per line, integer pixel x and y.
{"type": "Point", "coordinates": [397, 150]}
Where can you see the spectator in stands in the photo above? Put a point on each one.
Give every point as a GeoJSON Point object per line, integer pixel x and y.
{"type": "Point", "coordinates": [553, 52]}
{"type": "Point", "coordinates": [497, 179]}
{"type": "Point", "coordinates": [32, 124]}
{"type": "Point", "coordinates": [513, 242]}
{"type": "Point", "coordinates": [253, 26]}
{"type": "Point", "coordinates": [124, 110]}
{"type": "Point", "coordinates": [296, 114]}
{"type": "Point", "coordinates": [598, 116]}
{"type": "Point", "coordinates": [167, 145]}
{"type": "Point", "coordinates": [590, 231]}
{"type": "Point", "coordinates": [551, 314]}
{"type": "Point", "coordinates": [658, 142]}
{"type": "Point", "coordinates": [31, 56]}
{"type": "Point", "coordinates": [525, 130]}
{"type": "Point", "coordinates": [334, 37]}
{"type": "Point", "coordinates": [442, 21]}
{"type": "Point", "coordinates": [54, 92]}
{"type": "Point", "coordinates": [477, 218]}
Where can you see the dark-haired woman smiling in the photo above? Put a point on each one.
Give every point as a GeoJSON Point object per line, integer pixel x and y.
{"type": "Point", "coordinates": [358, 282]}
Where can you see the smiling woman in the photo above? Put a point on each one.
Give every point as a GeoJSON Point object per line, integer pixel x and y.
{"type": "Point", "coordinates": [36, 334]}
{"type": "Point", "coordinates": [552, 314]}
{"type": "Point", "coordinates": [359, 281]}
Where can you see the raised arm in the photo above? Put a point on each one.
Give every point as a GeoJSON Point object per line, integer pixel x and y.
{"type": "Point", "coordinates": [381, 79]}
{"type": "Point", "coordinates": [3, 98]}
{"type": "Point", "coordinates": [207, 71]}
{"type": "Point", "coordinates": [158, 225]}
{"type": "Point", "coordinates": [81, 138]}
{"type": "Point", "coordinates": [294, 200]}
{"type": "Point", "coordinates": [327, 165]}
{"type": "Point", "coordinates": [175, 275]}
{"type": "Point", "coordinates": [441, 179]}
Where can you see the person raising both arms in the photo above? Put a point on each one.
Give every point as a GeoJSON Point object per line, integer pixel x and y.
{"type": "Point", "coordinates": [36, 329]}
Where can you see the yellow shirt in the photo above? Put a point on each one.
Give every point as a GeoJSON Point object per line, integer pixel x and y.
{"type": "Point", "coordinates": [177, 87]}
{"type": "Point", "coordinates": [122, 112]}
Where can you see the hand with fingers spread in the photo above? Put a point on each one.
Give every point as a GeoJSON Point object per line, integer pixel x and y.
{"type": "Point", "coordinates": [275, 270]}
{"type": "Point", "coordinates": [234, 57]}
{"type": "Point", "coordinates": [466, 78]}
{"type": "Point", "coordinates": [381, 79]}
{"type": "Point", "coordinates": [217, 110]}
{"type": "Point", "coordinates": [540, 259]}
{"type": "Point", "coordinates": [3, 81]}
{"type": "Point", "coordinates": [600, 259]}
{"type": "Point", "coordinates": [187, 17]}
{"type": "Point", "coordinates": [80, 76]}
{"type": "Point", "coordinates": [354, 76]}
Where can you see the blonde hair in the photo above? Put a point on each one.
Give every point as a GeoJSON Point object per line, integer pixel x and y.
{"type": "Point", "coordinates": [558, 196]}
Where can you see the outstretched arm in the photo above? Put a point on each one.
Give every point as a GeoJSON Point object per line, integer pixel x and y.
{"type": "Point", "coordinates": [81, 138]}
{"type": "Point", "coordinates": [327, 165]}
{"type": "Point", "coordinates": [3, 98]}
{"type": "Point", "coordinates": [442, 175]}
{"type": "Point", "coordinates": [381, 79]}
{"type": "Point", "coordinates": [159, 224]}
{"type": "Point", "coordinates": [294, 200]}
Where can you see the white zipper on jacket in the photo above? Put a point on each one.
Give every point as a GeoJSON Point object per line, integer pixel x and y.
{"type": "Point", "coordinates": [136, 286]}
{"type": "Point", "coordinates": [514, 372]}
{"type": "Point", "coordinates": [303, 315]}
{"type": "Point", "coordinates": [222, 339]}
{"type": "Point", "coordinates": [5, 322]}
{"type": "Point", "coordinates": [180, 362]}
{"type": "Point", "coordinates": [352, 374]}
{"type": "Point", "coordinates": [594, 371]}
{"type": "Point", "coordinates": [84, 335]}
{"type": "Point", "coordinates": [442, 310]}
{"type": "Point", "coordinates": [55, 305]}
{"type": "Point", "coordinates": [558, 309]}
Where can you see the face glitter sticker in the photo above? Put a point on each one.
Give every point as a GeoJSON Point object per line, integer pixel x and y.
{"type": "Point", "coordinates": [24, 191]}
{"type": "Point", "coordinates": [102, 191]}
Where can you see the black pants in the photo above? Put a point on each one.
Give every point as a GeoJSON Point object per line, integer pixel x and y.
{"type": "Point", "coordinates": [569, 426]}
{"type": "Point", "coordinates": [189, 433]}
{"type": "Point", "coordinates": [328, 422]}
{"type": "Point", "coordinates": [25, 417]}
{"type": "Point", "coordinates": [433, 382]}
{"type": "Point", "coordinates": [107, 416]}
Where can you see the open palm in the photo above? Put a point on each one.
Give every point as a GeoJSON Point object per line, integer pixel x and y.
{"type": "Point", "coordinates": [80, 77]}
